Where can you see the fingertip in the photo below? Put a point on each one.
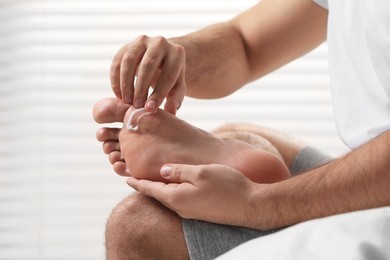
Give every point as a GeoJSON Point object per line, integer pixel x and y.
{"type": "Point", "coordinates": [126, 93]}
{"type": "Point", "coordinates": [176, 173]}
{"type": "Point", "coordinates": [151, 106]}
{"type": "Point", "coordinates": [131, 181]}
{"type": "Point", "coordinates": [166, 170]}
{"type": "Point", "coordinates": [128, 99]}
{"type": "Point", "coordinates": [138, 103]}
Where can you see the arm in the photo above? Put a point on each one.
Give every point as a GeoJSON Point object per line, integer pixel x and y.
{"type": "Point", "coordinates": [219, 59]}
{"type": "Point", "coordinates": [223, 57]}
{"type": "Point", "coordinates": [359, 180]}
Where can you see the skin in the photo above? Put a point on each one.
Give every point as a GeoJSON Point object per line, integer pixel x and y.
{"type": "Point", "coordinates": [359, 180]}
{"type": "Point", "coordinates": [267, 36]}
{"type": "Point", "coordinates": [256, 42]}
{"type": "Point", "coordinates": [112, 110]}
{"type": "Point", "coordinates": [126, 225]}
{"type": "Point", "coordinates": [162, 138]}
{"type": "Point", "coordinates": [156, 62]}
{"type": "Point", "coordinates": [235, 52]}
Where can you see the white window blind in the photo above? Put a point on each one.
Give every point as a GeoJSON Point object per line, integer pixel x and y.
{"type": "Point", "coordinates": [56, 185]}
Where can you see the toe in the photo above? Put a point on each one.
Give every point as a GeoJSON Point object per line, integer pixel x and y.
{"type": "Point", "coordinates": [111, 146]}
{"type": "Point", "coordinates": [121, 169]}
{"type": "Point", "coordinates": [107, 134]}
{"type": "Point", "coordinates": [115, 157]}
{"type": "Point", "coordinates": [109, 110]}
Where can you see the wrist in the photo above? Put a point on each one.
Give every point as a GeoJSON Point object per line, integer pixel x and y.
{"type": "Point", "coordinates": [274, 207]}
{"type": "Point", "coordinates": [265, 203]}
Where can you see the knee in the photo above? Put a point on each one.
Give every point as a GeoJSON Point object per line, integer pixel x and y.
{"type": "Point", "coordinates": [252, 139]}
{"type": "Point", "coordinates": [129, 228]}
{"type": "Point", "coordinates": [233, 131]}
{"type": "Point", "coordinates": [226, 128]}
{"type": "Point", "coordinates": [137, 228]}
{"type": "Point", "coordinates": [125, 209]}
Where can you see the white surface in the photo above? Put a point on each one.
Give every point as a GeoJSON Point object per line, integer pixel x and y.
{"type": "Point", "coordinates": [361, 235]}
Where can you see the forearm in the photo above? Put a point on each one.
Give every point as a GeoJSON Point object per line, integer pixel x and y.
{"type": "Point", "coordinates": [223, 57]}
{"type": "Point", "coordinates": [359, 180]}
{"type": "Point", "coordinates": [216, 62]}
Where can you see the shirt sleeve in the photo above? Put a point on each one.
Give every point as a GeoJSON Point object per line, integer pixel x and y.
{"type": "Point", "coordinates": [322, 3]}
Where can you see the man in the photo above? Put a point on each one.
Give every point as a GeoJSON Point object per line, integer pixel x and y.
{"type": "Point", "coordinates": [217, 61]}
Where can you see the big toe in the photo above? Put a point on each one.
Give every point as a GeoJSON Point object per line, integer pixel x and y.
{"type": "Point", "coordinates": [109, 110]}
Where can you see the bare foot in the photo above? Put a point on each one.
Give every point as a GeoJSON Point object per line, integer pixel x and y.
{"type": "Point", "coordinates": [163, 138]}
{"type": "Point", "coordinates": [111, 110]}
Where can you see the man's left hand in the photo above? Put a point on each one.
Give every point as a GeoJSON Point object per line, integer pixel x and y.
{"type": "Point", "coordinates": [213, 193]}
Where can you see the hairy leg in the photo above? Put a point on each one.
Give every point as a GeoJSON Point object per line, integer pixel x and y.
{"type": "Point", "coordinates": [139, 227]}
{"type": "Point", "coordinates": [254, 140]}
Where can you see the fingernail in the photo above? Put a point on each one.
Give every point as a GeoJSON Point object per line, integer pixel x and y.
{"type": "Point", "coordinates": [128, 99]}
{"type": "Point", "coordinates": [165, 171]}
{"type": "Point", "coordinates": [151, 105]}
{"type": "Point", "coordinates": [138, 103]}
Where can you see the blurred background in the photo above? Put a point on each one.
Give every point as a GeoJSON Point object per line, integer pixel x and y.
{"type": "Point", "coordinates": [56, 185]}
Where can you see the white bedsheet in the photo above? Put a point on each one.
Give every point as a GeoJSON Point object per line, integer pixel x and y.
{"type": "Point", "coordinates": [357, 235]}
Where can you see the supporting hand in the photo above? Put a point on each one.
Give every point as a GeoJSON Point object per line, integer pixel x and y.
{"type": "Point", "coordinates": [213, 193]}
{"type": "Point", "coordinates": [157, 63]}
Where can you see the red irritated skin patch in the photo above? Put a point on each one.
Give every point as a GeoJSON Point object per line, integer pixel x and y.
{"type": "Point", "coordinates": [136, 115]}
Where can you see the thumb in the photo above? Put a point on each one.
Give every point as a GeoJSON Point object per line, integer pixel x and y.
{"type": "Point", "coordinates": [178, 172]}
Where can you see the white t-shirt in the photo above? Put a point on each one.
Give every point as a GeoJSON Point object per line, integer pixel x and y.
{"type": "Point", "coordinates": [359, 58]}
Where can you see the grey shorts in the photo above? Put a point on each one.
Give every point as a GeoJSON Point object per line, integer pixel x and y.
{"type": "Point", "coordinates": [208, 241]}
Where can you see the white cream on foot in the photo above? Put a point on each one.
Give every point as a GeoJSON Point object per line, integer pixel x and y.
{"type": "Point", "coordinates": [132, 123]}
